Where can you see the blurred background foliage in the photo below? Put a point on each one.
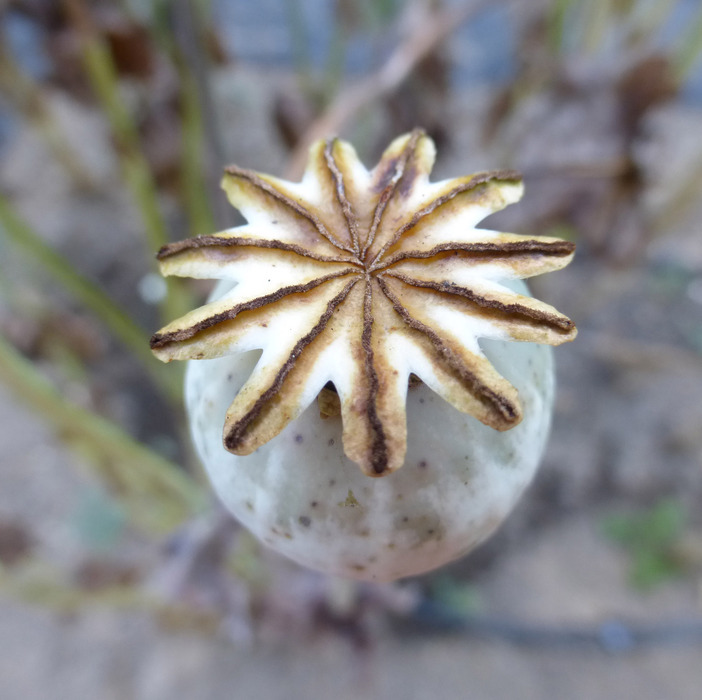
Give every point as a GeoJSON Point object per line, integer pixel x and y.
{"type": "Point", "coordinates": [116, 119]}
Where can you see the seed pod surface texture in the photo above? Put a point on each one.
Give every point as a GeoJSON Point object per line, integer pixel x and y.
{"type": "Point", "coordinates": [302, 496]}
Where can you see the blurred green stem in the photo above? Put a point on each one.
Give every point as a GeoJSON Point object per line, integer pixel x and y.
{"type": "Point", "coordinates": [646, 19]}
{"type": "Point", "coordinates": [335, 59]}
{"type": "Point", "coordinates": [181, 33]}
{"type": "Point", "coordinates": [689, 50]}
{"type": "Point", "coordinates": [599, 16]}
{"type": "Point", "coordinates": [30, 100]}
{"type": "Point", "coordinates": [39, 583]}
{"type": "Point", "coordinates": [89, 294]}
{"type": "Point", "coordinates": [102, 74]}
{"type": "Point", "coordinates": [557, 23]}
{"type": "Point", "coordinates": [300, 44]}
{"type": "Point", "coordinates": [192, 166]}
{"type": "Point", "coordinates": [157, 494]}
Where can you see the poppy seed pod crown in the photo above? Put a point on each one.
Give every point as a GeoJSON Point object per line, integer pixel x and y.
{"type": "Point", "coordinates": [350, 286]}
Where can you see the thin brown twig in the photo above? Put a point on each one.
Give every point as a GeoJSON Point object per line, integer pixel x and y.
{"type": "Point", "coordinates": [427, 33]}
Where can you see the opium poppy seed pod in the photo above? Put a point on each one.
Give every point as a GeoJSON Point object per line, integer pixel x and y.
{"type": "Point", "coordinates": [362, 327]}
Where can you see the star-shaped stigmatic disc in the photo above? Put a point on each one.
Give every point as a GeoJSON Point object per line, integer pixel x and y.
{"type": "Point", "coordinates": [361, 279]}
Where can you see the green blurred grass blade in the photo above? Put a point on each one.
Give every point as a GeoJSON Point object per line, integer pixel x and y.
{"type": "Point", "coordinates": [689, 51]}
{"type": "Point", "coordinates": [103, 78]}
{"type": "Point", "coordinates": [102, 74]}
{"type": "Point", "coordinates": [40, 584]}
{"type": "Point", "coordinates": [646, 18]}
{"type": "Point", "coordinates": [300, 45]}
{"type": "Point", "coordinates": [599, 16]}
{"type": "Point", "coordinates": [649, 536]}
{"type": "Point", "coordinates": [192, 163]}
{"type": "Point", "coordinates": [557, 21]}
{"type": "Point", "coordinates": [156, 494]}
{"type": "Point", "coordinates": [30, 100]}
{"type": "Point", "coordinates": [336, 59]}
{"type": "Point", "coordinates": [178, 30]}
{"type": "Point", "coordinates": [87, 293]}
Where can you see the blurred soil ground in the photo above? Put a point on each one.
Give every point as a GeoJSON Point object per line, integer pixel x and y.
{"type": "Point", "coordinates": [627, 430]}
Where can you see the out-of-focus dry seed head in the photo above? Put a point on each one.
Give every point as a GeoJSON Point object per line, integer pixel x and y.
{"type": "Point", "coordinates": [362, 278]}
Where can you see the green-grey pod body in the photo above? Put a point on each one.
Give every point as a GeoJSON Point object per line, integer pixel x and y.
{"type": "Point", "coordinates": [367, 279]}
{"type": "Point", "coordinates": [302, 496]}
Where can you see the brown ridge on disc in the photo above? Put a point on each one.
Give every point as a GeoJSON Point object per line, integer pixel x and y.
{"type": "Point", "coordinates": [473, 183]}
{"type": "Point", "coordinates": [171, 249]}
{"type": "Point", "coordinates": [488, 250]}
{"type": "Point", "coordinates": [506, 413]}
{"type": "Point", "coordinates": [379, 449]}
{"type": "Point", "coordinates": [236, 433]}
{"type": "Point", "coordinates": [560, 323]}
{"type": "Point", "coordinates": [158, 340]}
{"type": "Point", "coordinates": [266, 187]}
